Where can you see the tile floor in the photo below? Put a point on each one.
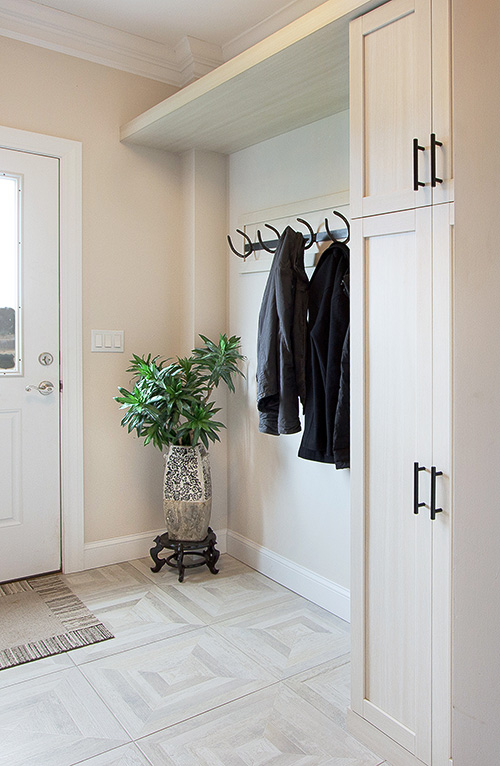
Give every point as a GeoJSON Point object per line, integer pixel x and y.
{"type": "Point", "coordinates": [225, 670]}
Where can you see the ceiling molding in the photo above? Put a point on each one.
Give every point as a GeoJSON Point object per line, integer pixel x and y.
{"type": "Point", "coordinates": [294, 10]}
{"type": "Point", "coordinates": [62, 32]}
{"type": "Point", "coordinates": [196, 58]}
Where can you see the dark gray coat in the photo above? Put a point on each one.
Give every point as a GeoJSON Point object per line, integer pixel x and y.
{"type": "Point", "coordinates": [281, 342]}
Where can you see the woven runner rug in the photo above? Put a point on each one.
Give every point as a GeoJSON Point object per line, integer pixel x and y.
{"type": "Point", "coordinates": [41, 617]}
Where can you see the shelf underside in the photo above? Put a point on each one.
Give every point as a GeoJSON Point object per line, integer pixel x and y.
{"type": "Point", "coordinates": [293, 78]}
{"type": "Point", "coordinates": [295, 87]}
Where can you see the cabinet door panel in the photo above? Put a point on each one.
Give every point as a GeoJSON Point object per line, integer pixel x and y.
{"type": "Point", "coordinates": [391, 304]}
{"type": "Point", "coordinates": [390, 86]}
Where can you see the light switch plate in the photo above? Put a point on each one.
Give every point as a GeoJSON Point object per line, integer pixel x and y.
{"type": "Point", "coordinates": [108, 341]}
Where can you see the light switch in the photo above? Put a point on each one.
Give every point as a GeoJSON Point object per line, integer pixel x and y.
{"type": "Point", "coordinates": [108, 341]}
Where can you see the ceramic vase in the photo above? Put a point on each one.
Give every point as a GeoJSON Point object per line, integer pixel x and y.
{"type": "Point", "coordinates": [187, 492]}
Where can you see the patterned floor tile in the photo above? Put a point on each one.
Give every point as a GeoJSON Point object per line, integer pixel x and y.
{"type": "Point", "coordinates": [30, 670]}
{"type": "Point", "coordinates": [169, 681]}
{"type": "Point", "coordinates": [143, 616]}
{"type": "Point", "coordinates": [227, 566]}
{"type": "Point", "coordinates": [273, 725]}
{"type": "Point", "coordinates": [327, 688]}
{"type": "Point", "coordinates": [234, 591]}
{"type": "Point", "coordinates": [288, 638]}
{"type": "Point", "coordinates": [106, 582]}
{"type": "Point", "coordinates": [129, 755]}
{"type": "Point", "coordinates": [55, 720]}
{"type": "Point", "coordinates": [266, 682]}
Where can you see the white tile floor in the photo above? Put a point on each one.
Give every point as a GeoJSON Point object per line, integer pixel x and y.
{"type": "Point", "coordinates": [224, 670]}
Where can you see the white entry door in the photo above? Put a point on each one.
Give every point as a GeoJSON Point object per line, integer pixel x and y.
{"type": "Point", "coordinates": [30, 506]}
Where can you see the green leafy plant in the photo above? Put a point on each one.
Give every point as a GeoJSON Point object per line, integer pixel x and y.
{"type": "Point", "coordinates": [170, 402]}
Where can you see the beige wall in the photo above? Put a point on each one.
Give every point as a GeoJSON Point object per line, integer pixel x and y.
{"type": "Point", "coordinates": [204, 310]}
{"type": "Point", "coordinates": [476, 674]}
{"type": "Point", "coordinates": [131, 258]}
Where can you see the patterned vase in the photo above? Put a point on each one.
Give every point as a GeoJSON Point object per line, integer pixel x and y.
{"type": "Point", "coordinates": [187, 493]}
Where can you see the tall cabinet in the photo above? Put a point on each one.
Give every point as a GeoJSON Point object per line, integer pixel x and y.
{"type": "Point", "coordinates": [401, 256]}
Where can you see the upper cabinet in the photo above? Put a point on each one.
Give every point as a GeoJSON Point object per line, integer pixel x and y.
{"type": "Point", "coordinates": [400, 86]}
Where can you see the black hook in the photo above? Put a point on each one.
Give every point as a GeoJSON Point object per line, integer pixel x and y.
{"type": "Point", "coordinates": [245, 254]}
{"type": "Point", "coordinates": [312, 237]}
{"type": "Point", "coordinates": [262, 244]}
{"type": "Point", "coordinates": [348, 225]}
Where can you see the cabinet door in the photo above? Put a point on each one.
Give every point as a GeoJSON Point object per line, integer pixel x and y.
{"type": "Point", "coordinates": [390, 106]}
{"type": "Point", "coordinates": [391, 374]}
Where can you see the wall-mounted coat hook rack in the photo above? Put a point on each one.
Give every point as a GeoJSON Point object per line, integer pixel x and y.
{"type": "Point", "coordinates": [311, 237]}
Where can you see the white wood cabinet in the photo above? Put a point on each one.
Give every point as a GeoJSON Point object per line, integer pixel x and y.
{"type": "Point", "coordinates": [401, 318]}
{"type": "Point", "coordinates": [400, 84]}
{"type": "Point", "coordinates": [391, 337]}
{"type": "Point", "coordinates": [400, 591]}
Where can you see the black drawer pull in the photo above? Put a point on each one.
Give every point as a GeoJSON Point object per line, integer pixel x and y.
{"type": "Point", "coordinates": [434, 179]}
{"type": "Point", "coordinates": [416, 149]}
{"type": "Point", "coordinates": [416, 469]}
{"type": "Point", "coordinates": [434, 510]}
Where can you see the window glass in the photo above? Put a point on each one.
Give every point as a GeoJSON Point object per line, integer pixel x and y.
{"type": "Point", "coordinates": [9, 275]}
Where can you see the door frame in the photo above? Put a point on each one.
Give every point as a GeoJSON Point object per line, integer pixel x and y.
{"type": "Point", "coordinates": [69, 154]}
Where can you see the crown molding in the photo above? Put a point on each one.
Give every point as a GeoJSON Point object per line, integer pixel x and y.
{"type": "Point", "coordinates": [268, 26]}
{"type": "Point", "coordinates": [62, 32]}
{"type": "Point", "coordinates": [196, 58]}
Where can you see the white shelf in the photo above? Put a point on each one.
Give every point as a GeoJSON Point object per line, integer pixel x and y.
{"type": "Point", "coordinates": [294, 77]}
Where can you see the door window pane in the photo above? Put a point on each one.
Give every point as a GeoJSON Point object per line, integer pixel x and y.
{"type": "Point", "coordinates": [9, 275]}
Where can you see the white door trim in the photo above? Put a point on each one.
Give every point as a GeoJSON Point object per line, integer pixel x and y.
{"type": "Point", "coordinates": [69, 154]}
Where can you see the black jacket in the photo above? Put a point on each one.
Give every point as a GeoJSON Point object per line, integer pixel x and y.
{"type": "Point", "coordinates": [326, 435]}
{"type": "Point", "coordinates": [281, 341]}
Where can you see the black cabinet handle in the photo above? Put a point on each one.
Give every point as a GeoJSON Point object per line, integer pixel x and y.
{"type": "Point", "coordinates": [434, 510]}
{"type": "Point", "coordinates": [416, 469]}
{"type": "Point", "coordinates": [416, 149]}
{"type": "Point", "coordinates": [434, 179]}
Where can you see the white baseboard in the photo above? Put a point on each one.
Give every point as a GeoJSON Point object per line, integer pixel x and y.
{"type": "Point", "coordinates": [327, 594]}
{"type": "Point", "coordinates": [115, 550]}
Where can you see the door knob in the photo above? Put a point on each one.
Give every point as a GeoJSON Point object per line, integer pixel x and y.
{"type": "Point", "coordinates": [45, 387]}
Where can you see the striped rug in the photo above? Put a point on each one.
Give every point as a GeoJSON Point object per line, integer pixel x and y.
{"type": "Point", "coordinates": [41, 617]}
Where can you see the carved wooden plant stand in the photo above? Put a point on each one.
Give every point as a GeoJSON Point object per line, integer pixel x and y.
{"type": "Point", "coordinates": [205, 549]}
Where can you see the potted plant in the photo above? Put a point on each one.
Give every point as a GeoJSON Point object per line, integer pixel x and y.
{"type": "Point", "coordinates": [170, 407]}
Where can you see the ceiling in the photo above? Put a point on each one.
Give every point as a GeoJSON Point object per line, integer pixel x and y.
{"type": "Point", "coordinates": [173, 41]}
{"type": "Point", "coordinates": [167, 21]}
